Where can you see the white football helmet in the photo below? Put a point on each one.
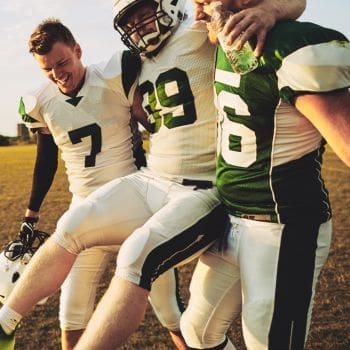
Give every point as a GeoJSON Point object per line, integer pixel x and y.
{"type": "Point", "coordinates": [15, 257]}
{"type": "Point", "coordinates": [167, 16]}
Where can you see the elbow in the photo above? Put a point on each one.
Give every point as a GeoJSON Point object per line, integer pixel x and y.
{"type": "Point", "coordinates": [300, 7]}
{"type": "Point", "coordinates": [343, 155]}
{"type": "Point", "coordinates": [346, 160]}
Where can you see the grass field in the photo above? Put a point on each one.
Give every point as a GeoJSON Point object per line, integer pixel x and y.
{"type": "Point", "coordinates": [331, 319]}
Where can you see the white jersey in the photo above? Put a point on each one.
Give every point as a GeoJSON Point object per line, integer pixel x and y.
{"type": "Point", "coordinates": [92, 130]}
{"type": "Point", "coordinates": [177, 92]}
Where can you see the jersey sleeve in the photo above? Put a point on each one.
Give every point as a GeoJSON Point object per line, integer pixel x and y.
{"type": "Point", "coordinates": [29, 110]}
{"type": "Point", "coordinates": [317, 67]}
{"type": "Point", "coordinates": [44, 170]}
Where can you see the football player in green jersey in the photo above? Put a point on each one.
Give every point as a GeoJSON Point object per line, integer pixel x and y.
{"type": "Point", "coordinates": [274, 123]}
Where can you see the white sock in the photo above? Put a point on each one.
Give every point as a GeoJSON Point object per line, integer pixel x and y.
{"type": "Point", "coordinates": [9, 319]}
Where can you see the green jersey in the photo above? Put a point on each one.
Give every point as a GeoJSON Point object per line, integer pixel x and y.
{"type": "Point", "coordinates": [269, 155]}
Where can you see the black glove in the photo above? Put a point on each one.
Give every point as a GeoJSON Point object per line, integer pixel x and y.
{"type": "Point", "coordinates": [30, 220]}
{"type": "Point", "coordinates": [27, 230]}
{"type": "Point", "coordinates": [30, 239]}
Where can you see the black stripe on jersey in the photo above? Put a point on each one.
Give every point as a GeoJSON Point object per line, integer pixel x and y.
{"type": "Point", "coordinates": [185, 244]}
{"type": "Point", "coordinates": [131, 66]}
{"type": "Point", "coordinates": [295, 273]}
{"type": "Point", "coordinates": [28, 119]}
{"type": "Point", "coordinates": [180, 301]}
{"type": "Point", "coordinates": [299, 189]}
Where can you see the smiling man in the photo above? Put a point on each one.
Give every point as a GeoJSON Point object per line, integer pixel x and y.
{"type": "Point", "coordinates": [84, 111]}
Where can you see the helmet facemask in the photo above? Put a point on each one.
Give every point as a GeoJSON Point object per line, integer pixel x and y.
{"type": "Point", "coordinates": [149, 43]}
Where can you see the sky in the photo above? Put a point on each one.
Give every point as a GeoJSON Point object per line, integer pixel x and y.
{"type": "Point", "coordinates": [91, 24]}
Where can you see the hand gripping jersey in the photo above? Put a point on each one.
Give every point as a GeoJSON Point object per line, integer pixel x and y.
{"type": "Point", "coordinates": [177, 93]}
{"type": "Point", "coordinates": [270, 155]}
{"type": "Point", "coordinates": [92, 130]}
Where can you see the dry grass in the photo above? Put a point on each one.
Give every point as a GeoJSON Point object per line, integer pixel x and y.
{"type": "Point", "coordinates": [330, 326]}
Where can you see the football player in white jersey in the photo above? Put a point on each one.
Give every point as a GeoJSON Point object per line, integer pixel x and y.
{"type": "Point", "coordinates": [273, 124]}
{"type": "Point", "coordinates": [85, 113]}
{"type": "Point", "coordinates": [176, 192]}
{"type": "Point", "coordinates": [174, 83]}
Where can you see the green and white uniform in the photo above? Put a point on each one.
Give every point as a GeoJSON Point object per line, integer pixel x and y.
{"type": "Point", "coordinates": [177, 92]}
{"type": "Point", "coordinates": [92, 130]}
{"type": "Point", "coordinates": [269, 178]}
{"type": "Point", "coordinates": [269, 154]}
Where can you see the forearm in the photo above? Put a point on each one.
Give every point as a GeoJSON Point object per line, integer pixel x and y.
{"type": "Point", "coordinates": [286, 9]}
{"type": "Point", "coordinates": [44, 172]}
{"type": "Point", "coordinates": [330, 114]}
{"type": "Point", "coordinates": [31, 213]}
{"type": "Point", "coordinates": [138, 114]}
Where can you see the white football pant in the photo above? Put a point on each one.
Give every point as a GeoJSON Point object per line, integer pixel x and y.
{"type": "Point", "coordinates": [269, 272]}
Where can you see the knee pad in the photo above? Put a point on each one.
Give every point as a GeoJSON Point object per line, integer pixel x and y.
{"type": "Point", "coordinates": [198, 335]}
{"type": "Point", "coordinates": [132, 255]}
{"type": "Point", "coordinates": [74, 230]}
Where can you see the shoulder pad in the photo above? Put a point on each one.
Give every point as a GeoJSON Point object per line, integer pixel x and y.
{"type": "Point", "coordinates": [110, 69]}
{"type": "Point", "coordinates": [319, 50]}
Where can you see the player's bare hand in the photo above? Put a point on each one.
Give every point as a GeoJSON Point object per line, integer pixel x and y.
{"type": "Point", "coordinates": [243, 25]}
